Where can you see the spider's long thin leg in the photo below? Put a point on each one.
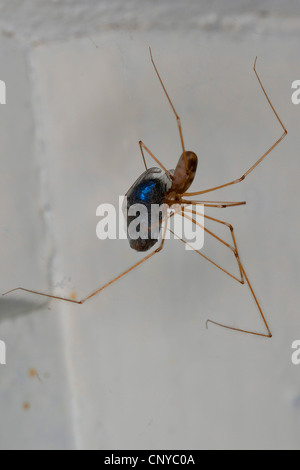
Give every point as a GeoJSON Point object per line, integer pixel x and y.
{"type": "Point", "coordinates": [217, 204]}
{"type": "Point", "coordinates": [80, 302]}
{"type": "Point", "coordinates": [232, 248]}
{"type": "Point", "coordinates": [269, 334]}
{"type": "Point", "coordinates": [142, 152]}
{"type": "Point", "coordinates": [206, 257]}
{"type": "Point", "coordinates": [183, 214]}
{"type": "Point", "coordinates": [142, 145]}
{"type": "Point", "coordinates": [235, 251]}
{"type": "Point", "coordinates": [261, 158]}
{"type": "Point", "coordinates": [94, 293]}
{"type": "Point", "coordinates": [172, 106]}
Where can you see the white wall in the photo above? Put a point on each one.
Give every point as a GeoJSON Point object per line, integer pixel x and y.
{"type": "Point", "coordinates": [135, 367]}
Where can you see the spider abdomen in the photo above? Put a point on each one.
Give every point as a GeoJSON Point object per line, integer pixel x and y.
{"type": "Point", "coordinates": [185, 172]}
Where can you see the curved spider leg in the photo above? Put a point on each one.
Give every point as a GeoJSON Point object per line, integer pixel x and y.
{"type": "Point", "coordinates": [217, 204]}
{"type": "Point", "coordinates": [261, 158]}
{"type": "Point", "coordinates": [233, 249]}
{"type": "Point", "coordinates": [142, 152]}
{"type": "Point", "coordinates": [205, 257]}
{"type": "Point", "coordinates": [174, 110]}
{"type": "Point", "coordinates": [236, 253]}
{"type": "Point", "coordinates": [142, 145]}
{"type": "Point", "coordinates": [269, 334]}
{"type": "Point", "coordinates": [80, 302]}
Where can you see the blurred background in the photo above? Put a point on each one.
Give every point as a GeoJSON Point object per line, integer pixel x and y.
{"type": "Point", "coordinates": [135, 367]}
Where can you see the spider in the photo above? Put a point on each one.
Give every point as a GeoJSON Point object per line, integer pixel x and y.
{"type": "Point", "coordinates": [170, 187]}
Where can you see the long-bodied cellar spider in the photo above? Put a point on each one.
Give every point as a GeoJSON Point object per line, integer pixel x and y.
{"type": "Point", "coordinates": [170, 187]}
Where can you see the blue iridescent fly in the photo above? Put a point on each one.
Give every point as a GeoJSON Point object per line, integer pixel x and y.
{"type": "Point", "coordinates": [147, 192]}
{"type": "Point", "coordinates": [168, 188]}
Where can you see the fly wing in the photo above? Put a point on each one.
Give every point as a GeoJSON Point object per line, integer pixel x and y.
{"type": "Point", "coordinates": [154, 174]}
